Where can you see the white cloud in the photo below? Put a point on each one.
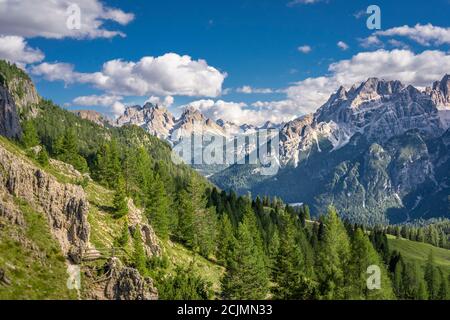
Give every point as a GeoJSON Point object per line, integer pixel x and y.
{"type": "Point", "coordinates": [167, 75]}
{"type": "Point", "coordinates": [251, 90]}
{"type": "Point", "coordinates": [425, 35]}
{"type": "Point", "coordinates": [112, 103]}
{"type": "Point", "coordinates": [419, 70]}
{"type": "Point", "coordinates": [48, 19]}
{"type": "Point", "coordinates": [342, 45]}
{"type": "Point", "coordinates": [304, 49]}
{"type": "Point", "coordinates": [118, 108]}
{"type": "Point", "coordinates": [371, 41]}
{"type": "Point", "coordinates": [96, 100]}
{"type": "Point", "coordinates": [15, 49]}
{"type": "Point", "coordinates": [240, 113]}
{"type": "Point", "coordinates": [398, 44]}
{"type": "Point", "coordinates": [166, 102]}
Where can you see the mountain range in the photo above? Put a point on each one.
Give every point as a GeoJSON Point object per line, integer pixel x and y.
{"type": "Point", "coordinates": [378, 151]}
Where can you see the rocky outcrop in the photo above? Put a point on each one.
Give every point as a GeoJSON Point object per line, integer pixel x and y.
{"type": "Point", "coordinates": [440, 94]}
{"type": "Point", "coordinates": [93, 116]}
{"type": "Point", "coordinates": [149, 238]}
{"type": "Point", "coordinates": [121, 283]}
{"type": "Point", "coordinates": [64, 205]}
{"type": "Point", "coordinates": [9, 119]}
{"type": "Point", "coordinates": [127, 283]}
{"type": "Point", "coordinates": [24, 93]}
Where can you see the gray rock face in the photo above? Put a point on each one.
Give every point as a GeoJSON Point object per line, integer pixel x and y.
{"type": "Point", "coordinates": [64, 205]}
{"type": "Point", "coordinates": [9, 119]}
{"type": "Point", "coordinates": [440, 94]}
{"type": "Point", "coordinates": [126, 284]}
{"type": "Point", "coordinates": [24, 93]}
{"type": "Point", "coordinates": [156, 120]}
{"type": "Point", "coordinates": [93, 116]}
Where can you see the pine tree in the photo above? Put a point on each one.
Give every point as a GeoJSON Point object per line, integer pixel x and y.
{"type": "Point", "coordinates": [124, 237]}
{"type": "Point", "coordinates": [443, 289]}
{"type": "Point", "coordinates": [363, 255]}
{"type": "Point", "coordinates": [226, 239]}
{"type": "Point", "coordinates": [245, 278]}
{"type": "Point", "coordinates": [139, 257]}
{"type": "Point", "coordinates": [30, 137]}
{"type": "Point", "coordinates": [120, 201]}
{"type": "Point", "coordinates": [293, 281]}
{"type": "Point", "coordinates": [42, 157]}
{"type": "Point", "coordinates": [205, 231]}
{"type": "Point", "coordinates": [274, 249]}
{"type": "Point", "coordinates": [432, 277]}
{"type": "Point", "coordinates": [157, 208]}
{"type": "Point", "coordinates": [113, 169]}
{"type": "Point", "coordinates": [333, 257]}
{"type": "Point", "coordinates": [185, 229]}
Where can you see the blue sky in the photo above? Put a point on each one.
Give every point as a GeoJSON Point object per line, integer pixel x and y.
{"type": "Point", "coordinates": [251, 43]}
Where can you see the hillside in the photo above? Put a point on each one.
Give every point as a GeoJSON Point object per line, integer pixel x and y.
{"type": "Point", "coordinates": [419, 252]}
{"type": "Point", "coordinates": [31, 259]}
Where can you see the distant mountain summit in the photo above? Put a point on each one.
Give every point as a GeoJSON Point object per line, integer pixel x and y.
{"type": "Point", "coordinates": [160, 122]}
{"type": "Point", "coordinates": [375, 151]}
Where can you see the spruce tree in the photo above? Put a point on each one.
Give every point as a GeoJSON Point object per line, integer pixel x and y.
{"type": "Point", "coordinates": [42, 157]}
{"type": "Point", "coordinates": [443, 289]}
{"type": "Point", "coordinates": [139, 256]}
{"type": "Point", "coordinates": [363, 255]}
{"type": "Point", "coordinates": [226, 239]}
{"type": "Point", "coordinates": [185, 228]}
{"type": "Point", "coordinates": [30, 137]}
{"type": "Point", "coordinates": [291, 276]}
{"type": "Point", "coordinates": [245, 278]}
{"type": "Point", "coordinates": [120, 203]}
{"type": "Point", "coordinates": [157, 208]}
{"type": "Point", "coordinates": [205, 231]}
{"type": "Point", "coordinates": [333, 257]}
{"type": "Point", "coordinates": [432, 277]}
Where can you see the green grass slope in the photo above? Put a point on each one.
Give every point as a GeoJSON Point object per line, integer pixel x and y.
{"type": "Point", "coordinates": [419, 252]}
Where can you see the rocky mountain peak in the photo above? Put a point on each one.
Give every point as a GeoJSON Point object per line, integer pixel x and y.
{"type": "Point", "coordinates": [191, 114]}
{"type": "Point", "coordinates": [443, 86]}
{"type": "Point", "coordinates": [375, 88]}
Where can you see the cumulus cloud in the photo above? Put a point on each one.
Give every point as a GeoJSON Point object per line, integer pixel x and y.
{"type": "Point", "coordinates": [167, 75]}
{"type": "Point", "coordinates": [372, 41]}
{"type": "Point", "coordinates": [251, 90]}
{"type": "Point", "coordinates": [304, 49]}
{"type": "Point", "coordinates": [425, 35]}
{"type": "Point", "coordinates": [166, 102]}
{"type": "Point", "coordinates": [241, 113]}
{"type": "Point", "coordinates": [118, 108]}
{"type": "Point", "coordinates": [112, 103]}
{"type": "Point", "coordinates": [15, 49]}
{"type": "Point", "coordinates": [96, 100]}
{"type": "Point", "coordinates": [48, 19]}
{"type": "Point", "coordinates": [342, 45]}
{"type": "Point", "coordinates": [420, 70]}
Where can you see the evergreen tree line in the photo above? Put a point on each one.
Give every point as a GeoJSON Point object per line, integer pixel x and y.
{"type": "Point", "coordinates": [271, 250]}
{"type": "Point", "coordinates": [436, 234]}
